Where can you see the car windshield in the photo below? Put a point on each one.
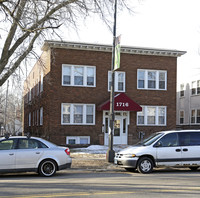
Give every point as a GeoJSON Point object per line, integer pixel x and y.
{"type": "Point", "coordinates": [151, 139]}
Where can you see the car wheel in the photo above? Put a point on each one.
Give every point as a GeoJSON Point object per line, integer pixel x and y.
{"type": "Point", "coordinates": [47, 168]}
{"type": "Point", "coordinates": [145, 165]}
{"type": "Point", "coordinates": [194, 168]}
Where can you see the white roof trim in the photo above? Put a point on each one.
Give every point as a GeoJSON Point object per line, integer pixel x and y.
{"type": "Point", "coordinates": [108, 48]}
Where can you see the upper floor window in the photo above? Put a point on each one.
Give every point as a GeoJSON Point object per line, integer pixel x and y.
{"type": "Point", "coordinates": [195, 87]}
{"type": "Point", "coordinates": [74, 75]}
{"type": "Point", "coordinates": [119, 81]}
{"type": "Point", "coordinates": [29, 119]}
{"type": "Point", "coordinates": [78, 114]}
{"type": "Point", "coordinates": [41, 116]}
{"type": "Point", "coordinates": [152, 115]}
{"type": "Point", "coordinates": [151, 79]}
{"type": "Point", "coordinates": [182, 91]}
{"type": "Point", "coordinates": [29, 95]}
{"type": "Point", "coordinates": [41, 82]}
{"type": "Point", "coordinates": [198, 86]}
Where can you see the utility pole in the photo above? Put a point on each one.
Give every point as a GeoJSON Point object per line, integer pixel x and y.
{"type": "Point", "coordinates": [111, 152]}
{"type": "Point", "coordinates": [5, 114]}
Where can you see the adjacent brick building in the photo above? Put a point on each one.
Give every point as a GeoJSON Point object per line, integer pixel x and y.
{"type": "Point", "coordinates": [66, 94]}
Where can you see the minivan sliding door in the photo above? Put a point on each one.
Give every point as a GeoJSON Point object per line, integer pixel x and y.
{"type": "Point", "coordinates": [168, 151]}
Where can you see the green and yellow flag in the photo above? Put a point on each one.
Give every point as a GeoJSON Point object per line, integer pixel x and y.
{"type": "Point", "coordinates": [117, 52]}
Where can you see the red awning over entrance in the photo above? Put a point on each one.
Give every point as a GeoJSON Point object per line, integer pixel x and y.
{"type": "Point", "coordinates": [121, 103]}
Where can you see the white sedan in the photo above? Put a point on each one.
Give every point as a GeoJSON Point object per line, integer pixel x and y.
{"type": "Point", "coordinates": [32, 154]}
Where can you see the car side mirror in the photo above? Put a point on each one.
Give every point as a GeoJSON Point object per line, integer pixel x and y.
{"type": "Point", "coordinates": [158, 144]}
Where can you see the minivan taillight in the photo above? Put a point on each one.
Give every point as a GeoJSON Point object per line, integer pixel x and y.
{"type": "Point", "coordinates": [67, 151]}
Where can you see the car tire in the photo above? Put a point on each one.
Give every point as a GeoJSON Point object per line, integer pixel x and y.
{"type": "Point", "coordinates": [47, 168]}
{"type": "Point", "coordinates": [194, 168]}
{"type": "Point", "coordinates": [130, 169]}
{"type": "Point", "coordinates": [145, 165]}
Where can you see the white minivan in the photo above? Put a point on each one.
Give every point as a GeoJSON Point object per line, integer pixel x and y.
{"type": "Point", "coordinates": [165, 148]}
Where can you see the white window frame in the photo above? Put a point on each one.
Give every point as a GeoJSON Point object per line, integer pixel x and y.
{"type": "Point", "coordinates": [195, 116]}
{"type": "Point", "coordinates": [198, 87]}
{"type": "Point", "coordinates": [72, 75]}
{"type": "Point", "coordinates": [77, 139]}
{"type": "Point", "coordinates": [195, 87]}
{"type": "Point", "coordinates": [41, 116]}
{"type": "Point", "coordinates": [145, 114]}
{"type": "Point", "coordinates": [41, 83]}
{"type": "Point", "coordinates": [71, 113]}
{"type": "Point", "coordinates": [117, 81]}
{"type": "Point", "coordinates": [156, 80]}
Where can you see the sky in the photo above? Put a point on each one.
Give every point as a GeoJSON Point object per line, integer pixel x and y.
{"type": "Point", "coordinates": [168, 24]}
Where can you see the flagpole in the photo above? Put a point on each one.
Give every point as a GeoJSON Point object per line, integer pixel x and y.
{"type": "Point", "coordinates": [111, 153]}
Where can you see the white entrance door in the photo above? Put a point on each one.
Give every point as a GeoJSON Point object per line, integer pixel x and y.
{"type": "Point", "coordinates": [120, 130]}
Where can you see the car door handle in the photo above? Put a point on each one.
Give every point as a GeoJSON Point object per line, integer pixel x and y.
{"type": "Point", "coordinates": [37, 152]}
{"type": "Point", "coordinates": [178, 150]}
{"type": "Point", "coordinates": [185, 149]}
{"type": "Point", "coordinates": [11, 153]}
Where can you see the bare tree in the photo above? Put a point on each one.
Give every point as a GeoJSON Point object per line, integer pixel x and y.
{"type": "Point", "coordinates": [24, 22]}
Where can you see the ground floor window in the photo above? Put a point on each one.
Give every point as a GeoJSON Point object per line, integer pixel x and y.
{"type": "Point", "coordinates": [195, 116]}
{"type": "Point", "coordinates": [78, 114]}
{"type": "Point", "coordinates": [152, 115]}
{"type": "Point", "coordinates": [78, 140]}
{"type": "Point", "coordinates": [181, 117]}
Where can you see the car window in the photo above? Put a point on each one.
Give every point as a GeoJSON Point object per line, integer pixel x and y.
{"type": "Point", "coordinates": [151, 139]}
{"type": "Point", "coordinates": [189, 138]}
{"type": "Point", "coordinates": [7, 144]}
{"type": "Point", "coordinates": [168, 140]}
{"type": "Point", "coordinates": [30, 144]}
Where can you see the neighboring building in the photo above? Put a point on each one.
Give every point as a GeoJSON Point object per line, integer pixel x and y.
{"type": "Point", "coordinates": [188, 104]}
{"type": "Point", "coordinates": [66, 95]}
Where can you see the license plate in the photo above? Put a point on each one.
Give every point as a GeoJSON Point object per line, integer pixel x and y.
{"type": "Point", "coordinates": [115, 161]}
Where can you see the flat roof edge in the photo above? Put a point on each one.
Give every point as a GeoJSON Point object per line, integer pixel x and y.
{"type": "Point", "coordinates": [108, 48]}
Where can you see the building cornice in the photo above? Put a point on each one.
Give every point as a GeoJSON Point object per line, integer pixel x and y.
{"type": "Point", "coordinates": [108, 48]}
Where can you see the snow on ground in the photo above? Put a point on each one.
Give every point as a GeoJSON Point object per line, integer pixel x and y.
{"type": "Point", "coordinates": [97, 149]}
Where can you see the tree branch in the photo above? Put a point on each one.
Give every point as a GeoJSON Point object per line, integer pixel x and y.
{"type": "Point", "coordinates": [19, 60]}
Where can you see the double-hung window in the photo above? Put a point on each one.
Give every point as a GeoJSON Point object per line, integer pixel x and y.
{"type": "Point", "coordinates": [119, 81]}
{"type": "Point", "coordinates": [152, 116]}
{"type": "Point", "coordinates": [78, 75]}
{"type": "Point", "coordinates": [182, 91]}
{"type": "Point", "coordinates": [194, 85]}
{"type": "Point", "coordinates": [181, 117]}
{"type": "Point", "coordinates": [151, 79]}
{"type": "Point", "coordinates": [41, 82]}
{"type": "Point", "coordinates": [41, 116]}
{"type": "Point", "coordinates": [29, 119]}
{"type": "Point", "coordinates": [195, 116]}
{"type": "Point", "coordinates": [78, 114]}
{"type": "Point", "coordinates": [198, 86]}
{"type": "Point", "coordinates": [198, 116]}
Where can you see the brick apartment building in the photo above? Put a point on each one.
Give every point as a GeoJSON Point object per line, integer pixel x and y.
{"type": "Point", "coordinates": [66, 95]}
